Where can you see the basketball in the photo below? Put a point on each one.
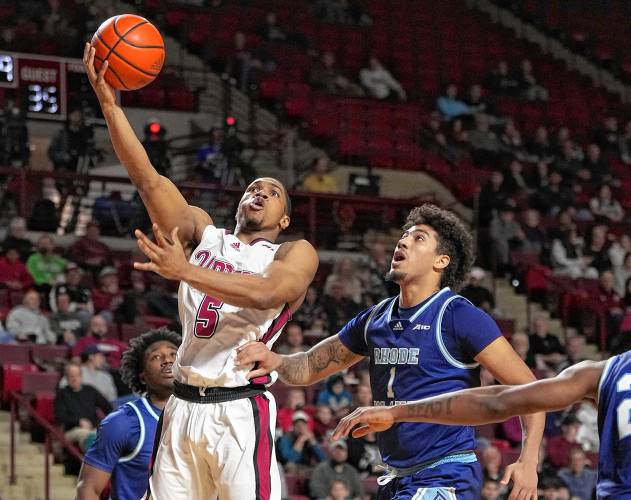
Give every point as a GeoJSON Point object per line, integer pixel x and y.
{"type": "Point", "coordinates": [133, 48]}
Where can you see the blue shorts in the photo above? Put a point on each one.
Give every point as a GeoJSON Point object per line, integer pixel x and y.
{"type": "Point", "coordinates": [450, 481]}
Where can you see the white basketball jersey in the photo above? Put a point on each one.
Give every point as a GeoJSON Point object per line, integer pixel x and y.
{"type": "Point", "coordinates": [211, 329]}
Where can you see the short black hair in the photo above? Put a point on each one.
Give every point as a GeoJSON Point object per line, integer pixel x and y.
{"type": "Point", "coordinates": [133, 360]}
{"type": "Point", "coordinates": [454, 239]}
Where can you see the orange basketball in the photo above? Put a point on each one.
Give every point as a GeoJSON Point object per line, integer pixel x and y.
{"type": "Point", "coordinates": [134, 48]}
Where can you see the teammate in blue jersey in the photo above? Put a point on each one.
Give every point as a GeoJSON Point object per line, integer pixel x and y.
{"type": "Point", "coordinates": [607, 383]}
{"type": "Point", "coordinates": [424, 342]}
{"type": "Point", "coordinates": [124, 442]}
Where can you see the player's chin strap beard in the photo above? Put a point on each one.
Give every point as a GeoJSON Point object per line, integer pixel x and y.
{"type": "Point", "coordinates": [394, 276]}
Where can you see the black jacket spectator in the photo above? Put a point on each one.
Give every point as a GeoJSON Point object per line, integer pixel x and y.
{"type": "Point", "coordinates": [71, 406]}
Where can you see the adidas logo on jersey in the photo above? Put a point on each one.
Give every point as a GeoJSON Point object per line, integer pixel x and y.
{"type": "Point", "coordinates": [398, 326]}
{"type": "Point", "coordinates": [236, 245]}
{"type": "Point", "coordinates": [421, 327]}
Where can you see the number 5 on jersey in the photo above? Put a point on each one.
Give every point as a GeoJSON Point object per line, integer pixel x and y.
{"type": "Point", "coordinates": [207, 317]}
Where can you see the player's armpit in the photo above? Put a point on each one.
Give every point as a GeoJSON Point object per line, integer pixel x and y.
{"type": "Point", "coordinates": [91, 482]}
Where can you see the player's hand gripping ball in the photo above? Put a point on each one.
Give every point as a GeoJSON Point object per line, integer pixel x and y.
{"type": "Point", "coordinates": [133, 48]}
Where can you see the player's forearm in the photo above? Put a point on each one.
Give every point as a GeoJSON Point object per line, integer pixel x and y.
{"type": "Point", "coordinates": [129, 150]}
{"type": "Point", "coordinates": [532, 427]}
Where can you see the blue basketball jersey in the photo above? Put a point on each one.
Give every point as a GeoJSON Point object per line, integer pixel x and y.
{"type": "Point", "coordinates": [123, 447]}
{"type": "Point", "coordinates": [614, 427]}
{"type": "Point", "coordinates": [422, 351]}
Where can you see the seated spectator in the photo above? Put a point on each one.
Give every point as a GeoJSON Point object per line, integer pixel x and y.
{"type": "Point", "coordinates": [598, 248]}
{"type": "Point", "coordinates": [450, 106]}
{"type": "Point", "coordinates": [336, 468]}
{"type": "Point", "coordinates": [475, 100]}
{"type": "Point", "coordinates": [293, 342]}
{"type": "Point", "coordinates": [363, 395]}
{"type": "Point", "coordinates": [490, 490]}
{"type": "Point", "coordinates": [514, 180]}
{"type": "Point", "coordinates": [624, 144]}
{"type": "Point", "coordinates": [574, 351]}
{"type": "Point", "coordinates": [501, 81]}
{"type": "Point", "coordinates": [556, 196]}
{"type": "Point", "coordinates": [569, 161]}
{"type": "Point", "coordinates": [13, 273]}
{"type": "Point", "coordinates": [45, 266]}
{"type": "Point", "coordinates": [320, 180]}
{"type": "Point", "coordinates": [364, 455]}
{"type": "Point", "coordinates": [623, 273]}
{"type": "Point", "coordinates": [80, 296]}
{"type": "Point", "coordinates": [587, 415]}
{"type": "Point", "coordinates": [76, 407]}
{"type": "Point", "coordinates": [479, 295]}
{"type": "Point", "coordinates": [218, 161]}
{"type": "Point", "coordinates": [338, 491]}
{"type": "Point", "coordinates": [492, 464]}
{"type": "Point", "coordinates": [336, 396]}
{"type": "Point", "coordinates": [521, 345]}
{"type": "Point", "coordinates": [375, 269]}
{"type": "Point", "coordinates": [513, 143]}
{"type": "Point", "coordinates": [312, 312]}
{"type": "Point", "coordinates": [596, 168]}
{"type": "Point", "coordinates": [97, 335]}
{"type": "Point", "coordinates": [492, 197]}
{"type": "Point", "coordinates": [607, 135]}
{"type": "Point", "coordinates": [610, 301]}
{"type": "Point", "coordinates": [325, 76]}
{"type": "Point", "coordinates": [16, 238]}
{"type": "Point", "coordinates": [89, 251]}
{"type": "Point", "coordinates": [506, 234]}
{"type": "Point", "coordinates": [94, 373]}
{"type": "Point", "coordinates": [108, 296]}
{"type": "Point", "coordinates": [527, 83]}
{"type": "Point", "coordinates": [580, 480]}
{"type": "Point", "coordinates": [67, 325]}
{"type": "Point", "coordinates": [605, 207]}
{"type": "Point", "coordinates": [541, 147]}
{"type": "Point", "coordinates": [244, 65]}
{"type": "Point", "coordinates": [553, 488]}
{"type": "Point", "coordinates": [270, 31]}
{"type": "Point", "coordinates": [345, 271]}
{"type": "Point", "coordinates": [544, 345]}
{"type": "Point", "coordinates": [379, 82]}
{"type": "Point", "coordinates": [486, 146]}
{"type": "Point", "coordinates": [299, 447]}
{"type": "Point", "coordinates": [27, 323]}
{"type": "Point", "coordinates": [296, 400]}
{"type": "Point", "coordinates": [567, 255]}
{"type": "Point", "coordinates": [323, 422]}
{"type": "Point", "coordinates": [115, 214]}
{"type": "Point", "coordinates": [538, 178]}
{"type": "Point", "coordinates": [536, 241]}
{"type": "Point", "coordinates": [559, 447]}
{"type": "Point", "coordinates": [338, 307]}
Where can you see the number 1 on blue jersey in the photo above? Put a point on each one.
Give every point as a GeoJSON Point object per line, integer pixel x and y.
{"type": "Point", "coordinates": [390, 393]}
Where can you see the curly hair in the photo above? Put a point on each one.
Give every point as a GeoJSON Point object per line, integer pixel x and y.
{"type": "Point", "coordinates": [133, 360]}
{"type": "Point", "coordinates": [454, 239]}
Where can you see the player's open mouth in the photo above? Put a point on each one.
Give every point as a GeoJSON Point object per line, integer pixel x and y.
{"type": "Point", "coordinates": [398, 256]}
{"type": "Point", "coordinates": [256, 204]}
{"type": "Point", "coordinates": [167, 372]}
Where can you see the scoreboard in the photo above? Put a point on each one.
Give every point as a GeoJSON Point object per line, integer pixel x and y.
{"type": "Point", "coordinates": [47, 87]}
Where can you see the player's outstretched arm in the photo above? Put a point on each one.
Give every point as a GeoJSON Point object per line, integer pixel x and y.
{"type": "Point", "coordinates": [91, 482]}
{"type": "Point", "coordinates": [165, 204]}
{"type": "Point", "coordinates": [305, 368]}
{"type": "Point", "coordinates": [285, 280]}
{"type": "Point", "coordinates": [482, 405]}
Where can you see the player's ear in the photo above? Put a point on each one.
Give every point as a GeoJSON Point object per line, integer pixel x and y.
{"type": "Point", "coordinates": [441, 261]}
{"type": "Point", "coordinates": [284, 222]}
{"type": "Point", "coordinates": [142, 378]}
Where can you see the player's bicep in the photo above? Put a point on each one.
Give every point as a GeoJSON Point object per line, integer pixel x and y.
{"type": "Point", "coordinates": [291, 272]}
{"type": "Point", "coordinates": [504, 364]}
{"type": "Point", "coordinates": [330, 356]}
{"type": "Point", "coordinates": [91, 482]}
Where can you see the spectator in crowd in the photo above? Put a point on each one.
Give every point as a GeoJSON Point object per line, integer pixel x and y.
{"type": "Point", "coordinates": [311, 311]}
{"type": "Point", "coordinates": [596, 168]}
{"type": "Point", "coordinates": [341, 12]}
{"type": "Point", "coordinates": [339, 308]}
{"type": "Point", "coordinates": [13, 273]}
{"type": "Point", "coordinates": [559, 447]}
{"type": "Point", "coordinates": [545, 345]}
{"type": "Point", "coordinates": [89, 251]}
{"type": "Point", "coordinates": [535, 241]}
{"type": "Point", "coordinates": [556, 196]}
{"type": "Point", "coordinates": [579, 479]}
{"type": "Point", "coordinates": [115, 214]}
{"type": "Point", "coordinates": [513, 143]}
{"type": "Point", "coordinates": [379, 82]}
{"type": "Point", "coordinates": [610, 301]}
{"type": "Point", "coordinates": [363, 395]}
{"type": "Point", "coordinates": [94, 373]}
{"type": "Point", "coordinates": [574, 351]}
{"type": "Point", "coordinates": [108, 296]}
{"type": "Point", "coordinates": [97, 335]}
{"type": "Point", "coordinates": [490, 490]}
{"type": "Point", "coordinates": [80, 295]}
{"type": "Point", "coordinates": [296, 400]}
{"type": "Point", "coordinates": [541, 147]}
{"type": "Point", "coordinates": [323, 422]}
{"type": "Point", "coordinates": [325, 76]}
{"type": "Point", "coordinates": [270, 31]}
{"type": "Point", "coordinates": [527, 83]}
{"type": "Point", "coordinates": [569, 161]}
{"type": "Point", "coordinates": [45, 266]}
{"type": "Point", "coordinates": [293, 340]}
{"type": "Point", "coordinates": [604, 206]}
{"type": "Point", "coordinates": [76, 407]}
{"type": "Point", "coordinates": [338, 491]}
{"type": "Point", "coordinates": [506, 234]}
{"type": "Point", "coordinates": [567, 255]}
{"type": "Point", "coordinates": [335, 468]}
{"type": "Point", "coordinates": [475, 100]}
{"type": "Point", "coordinates": [492, 197]}
{"type": "Point", "coordinates": [514, 180]}
{"type": "Point", "coordinates": [67, 325]}
{"type": "Point", "coordinates": [320, 179]}
{"type": "Point", "coordinates": [587, 437]}
{"type": "Point", "coordinates": [16, 238]}
{"type": "Point", "coordinates": [598, 249]}
{"type": "Point", "coordinates": [478, 294]}
{"type": "Point", "coordinates": [492, 463]}
{"type": "Point", "coordinates": [521, 343]}
{"type": "Point", "coordinates": [623, 273]}
{"type": "Point", "coordinates": [336, 396]}
{"type": "Point", "coordinates": [27, 323]}
{"type": "Point", "coordinates": [501, 81]}
{"type": "Point", "coordinates": [363, 454]}
{"type": "Point", "coordinates": [299, 447]}
{"type": "Point", "coordinates": [624, 144]}
{"type": "Point", "coordinates": [218, 161]}
{"type": "Point", "coordinates": [607, 135]}
{"type": "Point", "coordinates": [450, 106]}
{"type": "Point", "coordinates": [375, 270]}
{"type": "Point", "coordinates": [244, 65]}
{"type": "Point", "coordinates": [486, 147]}
{"type": "Point", "coordinates": [345, 271]}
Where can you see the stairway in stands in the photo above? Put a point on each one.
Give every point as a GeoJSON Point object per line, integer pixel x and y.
{"type": "Point", "coordinates": [29, 469]}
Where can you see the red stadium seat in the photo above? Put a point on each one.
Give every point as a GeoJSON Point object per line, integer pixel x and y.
{"type": "Point", "coordinates": [33, 383]}
{"type": "Point", "coordinates": [45, 352]}
{"type": "Point", "coordinates": [19, 354]}
{"type": "Point", "coordinates": [12, 377]}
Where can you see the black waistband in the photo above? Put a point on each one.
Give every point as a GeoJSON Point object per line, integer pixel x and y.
{"type": "Point", "coordinates": [197, 394]}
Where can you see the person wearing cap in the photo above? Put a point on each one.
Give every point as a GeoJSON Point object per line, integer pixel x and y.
{"type": "Point", "coordinates": [80, 295]}
{"type": "Point", "coordinates": [108, 296]}
{"type": "Point", "coordinates": [299, 447]}
{"type": "Point", "coordinates": [559, 447]}
{"type": "Point", "coordinates": [479, 295]}
{"type": "Point", "coordinates": [336, 468]}
{"type": "Point", "coordinates": [93, 372]}
{"type": "Point", "coordinates": [89, 251]}
{"type": "Point", "coordinates": [13, 273]}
